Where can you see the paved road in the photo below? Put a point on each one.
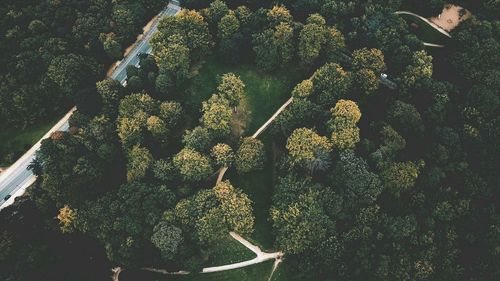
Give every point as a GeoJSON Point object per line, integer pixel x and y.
{"type": "Point", "coordinates": [18, 177]}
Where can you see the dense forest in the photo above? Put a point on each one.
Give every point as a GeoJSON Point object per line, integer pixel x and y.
{"type": "Point", "coordinates": [369, 182]}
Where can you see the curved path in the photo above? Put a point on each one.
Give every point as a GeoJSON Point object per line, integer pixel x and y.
{"type": "Point", "coordinates": [261, 257]}
{"type": "Point", "coordinates": [435, 26]}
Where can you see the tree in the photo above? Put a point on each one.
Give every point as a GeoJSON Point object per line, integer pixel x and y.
{"type": "Point", "coordinates": [303, 89]}
{"type": "Point", "coordinates": [345, 115]}
{"type": "Point", "coordinates": [366, 81]}
{"type": "Point", "coordinates": [211, 214]}
{"type": "Point", "coordinates": [372, 59]}
{"type": "Point", "coordinates": [299, 220]}
{"type": "Point", "coordinates": [231, 88]}
{"type": "Point", "coordinates": [420, 67]}
{"type": "Point", "coordinates": [139, 159]}
{"type": "Point", "coordinates": [198, 138]}
{"type": "Point", "coordinates": [308, 149]}
{"type": "Point", "coordinates": [192, 165]}
{"type": "Point", "coordinates": [167, 239]}
{"type": "Point", "coordinates": [164, 170]}
{"type": "Point", "coordinates": [278, 15]}
{"type": "Point", "coordinates": [346, 112]}
{"type": "Point", "coordinates": [405, 118]}
{"type": "Point", "coordinates": [330, 83]}
{"type": "Point", "coordinates": [157, 127]}
{"type": "Point", "coordinates": [110, 92]}
{"type": "Point", "coordinates": [284, 43]}
{"type": "Point", "coordinates": [399, 177]}
{"type": "Point", "coordinates": [217, 10]}
{"type": "Point", "coordinates": [229, 37]}
{"type": "Point", "coordinates": [359, 185]}
{"type": "Point", "coordinates": [311, 40]}
{"type": "Point", "coordinates": [217, 115]}
{"type": "Point", "coordinates": [189, 28]}
{"type": "Point", "coordinates": [334, 44]}
{"type": "Point", "coordinates": [111, 46]}
{"type": "Point", "coordinates": [266, 54]}
{"type": "Point", "coordinates": [173, 61]}
{"type": "Point", "coordinates": [250, 155]}
{"type": "Point", "coordinates": [70, 71]}
{"type": "Point", "coordinates": [300, 113]}
{"type": "Point", "coordinates": [170, 113]}
{"type": "Point", "coordinates": [66, 219]}
{"type": "Point", "coordinates": [222, 154]}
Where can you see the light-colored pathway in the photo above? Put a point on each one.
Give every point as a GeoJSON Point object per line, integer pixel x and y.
{"type": "Point", "coordinates": [435, 26]}
{"type": "Point", "coordinates": [261, 257]}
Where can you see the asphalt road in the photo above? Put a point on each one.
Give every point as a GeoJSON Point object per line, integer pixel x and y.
{"type": "Point", "coordinates": [18, 177]}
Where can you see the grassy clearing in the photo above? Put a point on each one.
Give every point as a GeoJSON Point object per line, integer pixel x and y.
{"type": "Point", "coordinates": [14, 142]}
{"type": "Point", "coordinates": [425, 31]}
{"type": "Point", "coordinates": [227, 251]}
{"type": "Point", "coordinates": [265, 92]}
{"type": "Point", "coordinates": [257, 272]}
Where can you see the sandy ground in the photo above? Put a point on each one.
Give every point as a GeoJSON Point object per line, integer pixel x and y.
{"type": "Point", "coordinates": [450, 17]}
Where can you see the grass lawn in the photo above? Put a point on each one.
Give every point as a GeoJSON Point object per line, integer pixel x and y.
{"type": "Point", "coordinates": [257, 272]}
{"type": "Point", "coordinates": [227, 251]}
{"type": "Point", "coordinates": [425, 31]}
{"type": "Point", "coordinates": [14, 142]}
{"type": "Point", "coordinates": [266, 92]}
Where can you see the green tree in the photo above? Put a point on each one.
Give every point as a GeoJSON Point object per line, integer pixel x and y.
{"type": "Point", "coordinates": [217, 10]}
{"type": "Point", "coordinates": [303, 89]}
{"type": "Point", "coordinates": [299, 219]}
{"type": "Point", "coordinates": [405, 118]}
{"type": "Point", "coordinates": [139, 159]}
{"type": "Point", "coordinates": [278, 15]}
{"type": "Point", "coordinates": [173, 61]}
{"type": "Point", "coordinates": [372, 59]}
{"type": "Point", "coordinates": [192, 165]}
{"type": "Point", "coordinates": [229, 37]}
{"type": "Point", "coordinates": [420, 67]}
{"type": "Point", "coordinates": [167, 239]}
{"type": "Point", "coordinates": [342, 124]}
{"type": "Point", "coordinates": [223, 154]}
{"type": "Point", "coordinates": [110, 92]}
{"type": "Point", "coordinates": [399, 177]}
{"type": "Point", "coordinates": [170, 113]}
{"type": "Point", "coordinates": [198, 138]}
{"type": "Point", "coordinates": [308, 149]}
{"type": "Point", "coordinates": [250, 155]}
{"type": "Point", "coordinates": [311, 40]}
{"type": "Point", "coordinates": [217, 114]}
{"type": "Point", "coordinates": [330, 83]}
{"type": "Point", "coordinates": [231, 88]}
{"type": "Point", "coordinates": [70, 71]}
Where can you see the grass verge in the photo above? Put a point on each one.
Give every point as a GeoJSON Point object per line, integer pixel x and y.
{"type": "Point", "coordinates": [14, 142]}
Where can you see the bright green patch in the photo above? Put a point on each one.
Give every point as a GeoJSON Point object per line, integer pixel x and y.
{"type": "Point", "coordinates": [227, 251]}
{"type": "Point", "coordinates": [425, 31]}
{"type": "Point", "coordinates": [14, 142]}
